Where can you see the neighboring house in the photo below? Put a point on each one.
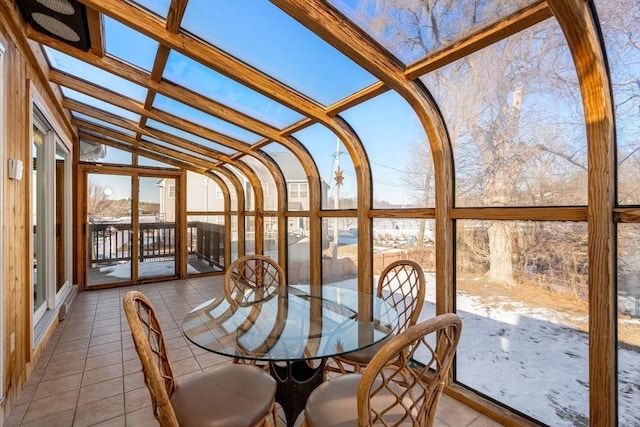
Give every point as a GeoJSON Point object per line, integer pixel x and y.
{"type": "Point", "coordinates": [204, 194]}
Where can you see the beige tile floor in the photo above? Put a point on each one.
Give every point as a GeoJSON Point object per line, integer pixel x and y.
{"type": "Point", "coordinates": [90, 375]}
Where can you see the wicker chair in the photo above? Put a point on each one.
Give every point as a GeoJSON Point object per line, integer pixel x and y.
{"type": "Point", "coordinates": [401, 284]}
{"type": "Point", "coordinates": [396, 388]}
{"type": "Point", "coordinates": [252, 278]}
{"type": "Point", "coordinates": [229, 395]}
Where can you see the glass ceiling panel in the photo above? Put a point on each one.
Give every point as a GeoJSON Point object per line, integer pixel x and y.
{"type": "Point", "coordinates": [102, 123]}
{"type": "Point", "coordinates": [269, 189]}
{"type": "Point", "coordinates": [330, 155]}
{"type": "Point", "coordinates": [145, 161]}
{"type": "Point", "coordinates": [623, 53]}
{"type": "Point", "coordinates": [292, 54]}
{"type": "Point", "coordinates": [398, 152]}
{"type": "Point", "coordinates": [233, 195]}
{"type": "Point", "coordinates": [203, 119]}
{"type": "Point", "coordinates": [146, 138]}
{"type": "Point", "coordinates": [288, 163]}
{"type": "Point", "coordinates": [99, 104]}
{"type": "Point", "coordinates": [129, 45]}
{"type": "Point", "coordinates": [249, 198]}
{"type": "Point", "coordinates": [100, 153]}
{"type": "Point", "coordinates": [514, 115]}
{"type": "Point", "coordinates": [159, 7]}
{"type": "Point", "coordinates": [95, 75]}
{"type": "Point", "coordinates": [189, 137]}
{"type": "Point", "coordinates": [410, 29]}
{"type": "Point", "coordinates": [197, 77]}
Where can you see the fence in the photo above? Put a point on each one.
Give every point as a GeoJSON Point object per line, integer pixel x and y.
{"type": "Point", "coordinates": [112, 242]}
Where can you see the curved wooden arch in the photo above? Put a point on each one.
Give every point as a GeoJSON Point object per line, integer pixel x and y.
{"type": "Point", "coordinates": [581, 31]}
{"type": "Point", "coordinates": [327, 23]}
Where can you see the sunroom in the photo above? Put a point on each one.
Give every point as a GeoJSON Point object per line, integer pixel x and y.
{"type": "Point", "coordinates": [495, 143]}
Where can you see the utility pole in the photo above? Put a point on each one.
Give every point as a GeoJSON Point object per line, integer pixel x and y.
{"type": "Point", "coordinates": [338, 177]}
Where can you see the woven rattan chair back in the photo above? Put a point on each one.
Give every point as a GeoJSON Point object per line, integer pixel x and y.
{"type": "Point", "coordinates": [252, 278]}
{"type": "Point", "coordinates": [411, 368]}
{"type": "Point", "coordinates": [156, 367]}
{"type": "Point", "coordinates": [402, 285]}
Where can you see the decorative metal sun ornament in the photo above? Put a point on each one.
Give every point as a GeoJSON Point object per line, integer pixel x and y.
{"type": "Point", "coordinates": [339, 177]}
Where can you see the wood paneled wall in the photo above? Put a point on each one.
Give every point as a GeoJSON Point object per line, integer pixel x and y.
{"type": "Point", "coordinates": [22, 77]}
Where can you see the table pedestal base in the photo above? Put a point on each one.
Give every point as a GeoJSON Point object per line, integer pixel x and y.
{"type": "Point", "coordinates": [296, 380]}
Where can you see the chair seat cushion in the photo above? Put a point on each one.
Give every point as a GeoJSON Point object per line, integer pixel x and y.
{"type": "Point", "coordinates": [229, 395]}
{"type": "Point", "coordinates": [335, 403]}
{"type": "Point", "coordinates": [366, 354]}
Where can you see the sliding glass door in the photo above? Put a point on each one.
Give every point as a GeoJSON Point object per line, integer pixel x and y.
{"type": "Point", "coordinates": [109, 229]}
{"type": "Point", "coordinates": [131, 233]}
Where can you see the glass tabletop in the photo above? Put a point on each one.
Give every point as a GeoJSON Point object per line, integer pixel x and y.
{"type": "Point", "coordinates": [289, 323]}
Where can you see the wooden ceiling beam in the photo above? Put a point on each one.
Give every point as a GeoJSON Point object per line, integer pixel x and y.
{"type": "Point", "coordinates": [148, 145]}
{"type": "Point", "coordinates": [480, 38]}
{"type": "Point", "coordinates": [134, 106]}
{"type": "Point", "coordinates": [144, 152]}
{"type": "Point", "coordinates": [162, 136]}
{"type": "Point", "coordinates": [206, 54]}
{"type": "Point", "coordinates": [96, 33]}
{"type": "Point", "coordinates": [178, 93]}
{"type": "Point", "coordinates": [133, 126]}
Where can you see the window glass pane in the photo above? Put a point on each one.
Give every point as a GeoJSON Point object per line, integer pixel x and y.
{"type": "Point", "coordinates": [153, 124]}
{"type": "Point", "coordinates": [294, 176]}
{"type": "Point", "coordinates": [405, 238]}
{"type": "Point", "coordinates": [334, 165]}
{"type": "Point", "coordinates": [398, 152]}
{"type": "Point", "coordinates": [129, 45]}
{"type": "Point", "coordinates": [170, 146]}
{"type": "Point", "coordinates": [109, 237]}
{"type": "Point", "coordinates": [101, 153]}
{"type": "Point", "coordinates": [102, 123]}
{"type": "Point", "coordinates": [145, 161]}
{"type": "Point", "coordinates": [249, 197]}
{"type": "Point", "coordinates": [292, 54]}
{"type": "Point", "coordinates": [410, 29]}
{"type": "Point", "coordinates": [99, 105]}
{"type": "Point", "coordinates": [233, 195]}
{"type": "Point", "coordinates": [201, 118]}
{"type": "Point", "coordinates": [205, 243]}
{"type": "Point", "coordinates": [159, 7]}
{"type": "Point", "coordinates": [340, 252]}
{"type": "Point", "coordinates": [514, 114]}
{"type": "Point", "coordinates": [271, 237]}
{"type": "Point", "coordinates": [250, 235]}
{"type": "Point", "coordinates": [202, 194]}
{"type": "Point", "coordinates": [299, 251]}
{"type": "Point", "coordinates": [95, 75]}
{"type": "Point", "coordinates": [234, 238]}
{"type": "Point", "coordinates": [38, 215]}
{"type": "Point", "coordinates": [269, 189]}
{"type": "Point", "coordinates": [62, 199]}
{"type": "Point", "coordinates": [619, 22]}
{"type": "Point", "coordinates": [195, 76]}
{"type": "Point", "coordinates": [157, 227]}
{"type": "Point", "coordinates": [628, 324]}
{"type": "Point", "coordinates": [521, 290]}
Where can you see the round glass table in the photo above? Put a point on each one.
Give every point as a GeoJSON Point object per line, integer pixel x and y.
{"type": "Point", "coordinates": [287, 327]}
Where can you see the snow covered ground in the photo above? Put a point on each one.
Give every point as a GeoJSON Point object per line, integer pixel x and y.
{"type": "Point", "coordinates": [530, 359]}
{"type": "Point", "coordinates": [145, 269]}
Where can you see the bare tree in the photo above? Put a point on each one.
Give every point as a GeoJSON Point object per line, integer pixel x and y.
{"type": "Point", "coordinates": [98, 201]}
{"type": "Point", "coordinates": [500, 108]}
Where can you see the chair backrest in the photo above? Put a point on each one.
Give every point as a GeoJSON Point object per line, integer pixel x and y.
{"type": "Point", "coordinates": [402, 284]}
{"type": "Point", "coordinates": [149, 343]}
{"type": "Point", "coordinates": [419, 360]}
{"type": "Point", "coordinates": [252, 278]}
